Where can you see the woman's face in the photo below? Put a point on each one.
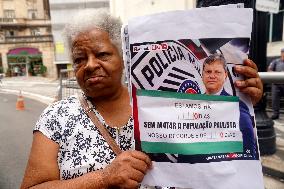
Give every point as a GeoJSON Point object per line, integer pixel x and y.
{"type": "Point", "coordinates": [97, 63]}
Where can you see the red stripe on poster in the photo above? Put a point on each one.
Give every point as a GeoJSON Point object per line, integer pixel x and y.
{"type": "Point", "coordinates": [136, 121]}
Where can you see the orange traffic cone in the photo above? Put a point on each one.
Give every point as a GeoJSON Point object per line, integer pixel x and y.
{"type": "Point", "coordinates": [20, 105]}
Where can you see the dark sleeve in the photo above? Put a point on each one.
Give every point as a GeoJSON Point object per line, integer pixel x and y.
{"type": "Point", "coordinates": [272, 65]}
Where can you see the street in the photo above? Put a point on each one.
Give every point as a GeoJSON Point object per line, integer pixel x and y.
{"type": "Point", "coordinates": [15, 138]}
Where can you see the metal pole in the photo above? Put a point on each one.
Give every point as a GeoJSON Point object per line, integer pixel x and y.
{"type": "Point", "coordinates": [27, 66]}
{"type": "Point", "coordinates": [272, 77]}
{"type": "Point", "coordinates": [270, 27]}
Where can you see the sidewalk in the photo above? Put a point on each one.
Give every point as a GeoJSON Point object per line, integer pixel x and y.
{"type": "Point", "coordinates": [29, 78]}
{"type": "Point", "coordinates": [274, 164]}
{"type": "Point", "coordinates": [37, 88]}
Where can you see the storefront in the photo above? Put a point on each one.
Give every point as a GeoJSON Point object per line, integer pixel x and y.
{"type": "Point", "coordinates": [25, 60]}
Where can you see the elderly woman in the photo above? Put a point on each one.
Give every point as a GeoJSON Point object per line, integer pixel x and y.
{"type": "Point", "coordinates": [68, 151]}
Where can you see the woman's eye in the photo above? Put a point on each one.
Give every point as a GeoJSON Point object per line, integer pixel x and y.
{"type": "Point", "coordinates": [103, 55]}
{"type": "Point", "coordinates": [78, 60]}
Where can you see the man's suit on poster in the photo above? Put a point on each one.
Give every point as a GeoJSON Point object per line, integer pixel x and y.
{"type": "Point", "coordinates": [246, 126]}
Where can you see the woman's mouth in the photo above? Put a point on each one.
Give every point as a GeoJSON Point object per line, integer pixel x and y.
{"type": "Point", "coordinates": [95, 79]}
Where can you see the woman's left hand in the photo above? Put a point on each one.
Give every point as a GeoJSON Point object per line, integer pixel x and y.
{"type": "Point", "coordinates": [251, 85]}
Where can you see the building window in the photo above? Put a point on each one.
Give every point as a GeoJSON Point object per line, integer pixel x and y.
{"type": "Point", "coordinates": [48, 30]}
{"type": "Point", "coordinates": [32, 13]}
{"type": "Point", "coordinates": [276, 25]}
{"type": "Point", "coordinates": [1, 65]}
{"type": "Point", "coordinates": [31, 2]}
{"type": "Point", "coordinates": [10, 33]}
{"type": "Point", "coordinates": [277, 29]}
{"type": "Point", "coordinates": [9, 13]}
{"type": "Point", "coordinates": [35, 31]}
{"type": "Point", "coordinates": [2, 36]}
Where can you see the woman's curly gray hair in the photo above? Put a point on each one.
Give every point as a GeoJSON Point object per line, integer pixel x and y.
{"type": "Point", "coordinates": [87, 19]}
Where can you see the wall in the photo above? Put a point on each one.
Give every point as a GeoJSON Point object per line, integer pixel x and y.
{"type": "Point", "coordinates": [61, 13]}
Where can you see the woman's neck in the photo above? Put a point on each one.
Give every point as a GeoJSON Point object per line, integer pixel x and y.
{"type": "Point", "coordinates": [116, 95]}
{"type": "Point", "coordinates": [116, 111]}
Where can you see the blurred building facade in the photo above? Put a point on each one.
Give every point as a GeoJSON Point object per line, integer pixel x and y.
{"type": "Point", "coordinates": [62, 11]}
{"type": "Point", "coordinates": [275, 33]}
{"type": "Point", "coordinates": [26, 42]}
{"type": "Point", "coordinates": [126, 9]}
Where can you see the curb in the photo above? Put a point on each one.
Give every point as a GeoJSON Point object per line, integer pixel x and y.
{"type": "Point", "coordinates": [273, 164]}
{"type": "Point", "coordinates": [40, 98]}
{"type": "Point", "coordinates": [272, 172]}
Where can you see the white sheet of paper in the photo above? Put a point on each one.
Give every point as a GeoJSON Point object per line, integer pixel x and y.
{"type": "Point", "coordinates": [213, 22]}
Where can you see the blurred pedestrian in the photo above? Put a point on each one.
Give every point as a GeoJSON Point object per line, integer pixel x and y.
{"type": "Point", "coordinates": [1, 77]}
{"type": "Point", "coordinates": [277, 90]}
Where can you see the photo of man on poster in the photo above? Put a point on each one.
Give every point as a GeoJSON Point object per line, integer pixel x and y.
{"type": "Point", "coordinates": [214, 76]}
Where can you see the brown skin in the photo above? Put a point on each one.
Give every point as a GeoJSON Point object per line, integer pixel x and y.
{"type": "Point", "coordinates": [98, 69]}
{"type": "Point", "coordinates": [252, 84]}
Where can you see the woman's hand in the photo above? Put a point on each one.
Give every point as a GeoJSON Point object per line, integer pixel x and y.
{"type": "Point", "coordinates": [127, 170]}
{"type": "Point", "coordinates": [251, 85]}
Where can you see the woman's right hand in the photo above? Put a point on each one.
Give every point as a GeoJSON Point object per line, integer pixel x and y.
{"type": "Point", "coordinates": [127, 170]}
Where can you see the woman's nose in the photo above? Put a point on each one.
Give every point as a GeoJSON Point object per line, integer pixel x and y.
{"type": "Point", "coordinates": [92, 63]}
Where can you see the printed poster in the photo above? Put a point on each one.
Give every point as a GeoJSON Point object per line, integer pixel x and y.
{"type": "Point", "coordinates": [198, 129]}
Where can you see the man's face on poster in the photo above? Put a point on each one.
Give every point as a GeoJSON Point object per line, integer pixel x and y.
{"type": "Point", "coordinates": [214, 77]}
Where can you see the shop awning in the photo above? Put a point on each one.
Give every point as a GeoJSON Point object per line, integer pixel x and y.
{"type": "Point", "coordinates": [24, 51]}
